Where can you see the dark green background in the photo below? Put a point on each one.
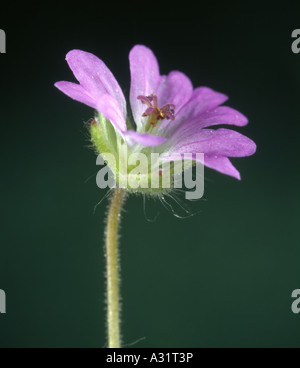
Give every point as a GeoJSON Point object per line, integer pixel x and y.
{"type": "Point", "coordinates": [223, 278]}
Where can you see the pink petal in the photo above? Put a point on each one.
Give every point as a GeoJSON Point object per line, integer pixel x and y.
{"type": "Point", "coordinates": [220, 142]}
{"type": "Point", "coordinates": [219, 163]}
{"type": "Point", "coordinates": [144, 139]}
{"type": "Point", "coordinates": [176, 88]}
{"type": "Point", "coordinates": [145, 78]}
{"type": "Point", "coordinates": [223, 115]}
{"type": "Point", "coordinates": [94, 76]}
{"type": "Point", "coordinates": [223, 165]}
{"type": "Point", "coordinates": [110, 108]}
{"type": "Point", "coordinates": [203, 99]}
{"type": "Point", "coordinates": [219, 115]}
{"type": "Point", "coordinates": [76, 92]}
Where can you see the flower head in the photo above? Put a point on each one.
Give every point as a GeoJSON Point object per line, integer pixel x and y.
{"type": "Point", "coordinates": [170, 117]}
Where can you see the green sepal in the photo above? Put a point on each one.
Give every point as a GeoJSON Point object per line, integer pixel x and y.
{"type": "Point", "coordinates": [103, 136]}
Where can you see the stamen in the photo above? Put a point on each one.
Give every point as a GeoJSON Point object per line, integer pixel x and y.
{"type": "Point", "coordinates": [157, 113]}
{"type": "Point", "coordinates": [146, 100]}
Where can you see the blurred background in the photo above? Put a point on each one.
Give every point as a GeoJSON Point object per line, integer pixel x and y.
{"type": "Point", "coordinates": [222, 278]}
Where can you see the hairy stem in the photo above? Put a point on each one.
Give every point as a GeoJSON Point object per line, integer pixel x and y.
{"type": "Point", "coordinates": [112, 269]}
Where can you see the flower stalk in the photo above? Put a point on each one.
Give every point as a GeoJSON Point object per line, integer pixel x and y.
{"type": "Point", "coordinates": [112, 269]}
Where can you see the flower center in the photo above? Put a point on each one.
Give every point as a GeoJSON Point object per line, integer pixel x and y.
{"type": "Point", "coordinates": [154, 112]}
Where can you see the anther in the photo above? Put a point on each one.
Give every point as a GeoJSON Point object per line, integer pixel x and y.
{"type": "Point", "coordinates": [166, 112]}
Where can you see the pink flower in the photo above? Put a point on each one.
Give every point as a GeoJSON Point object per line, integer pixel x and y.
{"type": "Point", "coordinates": [170, 116]}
